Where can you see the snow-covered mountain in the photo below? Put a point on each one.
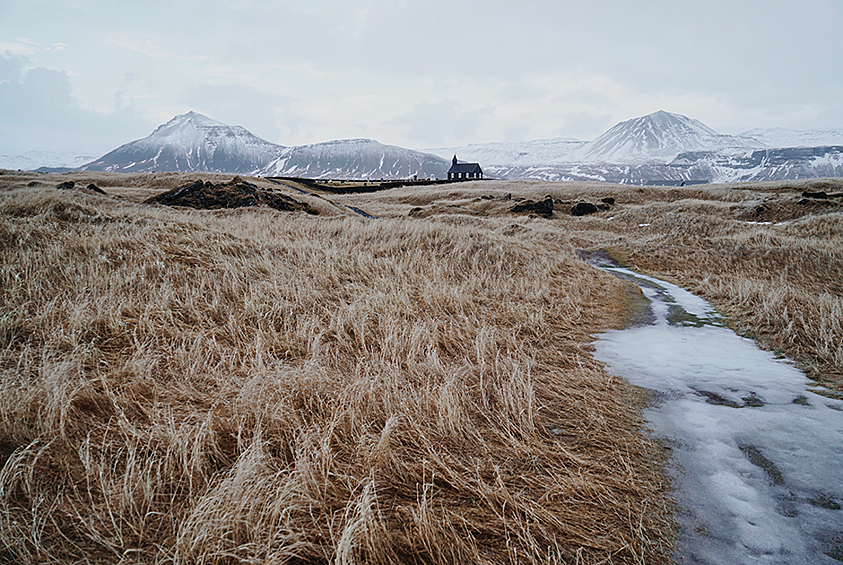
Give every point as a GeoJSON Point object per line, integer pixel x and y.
{"type": "Point", "coordinates": [355, 159]}
{"type": "Point", "coordinates": [191, 142]}
{"type": "Point", "coordinates": [660, 147]}
{"type": "Point", "coordinates": [655, 138]}
{"type": "Point", "coordinates": [695, 167]}
{"type": "Point", "coordinates": [32, 160]}
{"type": "Point", "coordinates": [776, 138]}
{"type": "Point", "coordinates": [762, 164]}
{"type": "Point", "coordinates": [516, 154]}
{"type": "Point", "coordinates": [665, 147]}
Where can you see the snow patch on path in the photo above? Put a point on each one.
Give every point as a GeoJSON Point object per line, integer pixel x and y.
{"type": "Point", "coordinates": [756, 457]}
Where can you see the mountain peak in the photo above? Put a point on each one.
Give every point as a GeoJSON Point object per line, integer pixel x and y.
{"type": "Point", "coordinates": [190, 119]}
{"type": "Point", "coordinates": [667, 120]}
{"type": "Point", "coordinates": [656, 137]}
{"type": "Point", "coordinates": [191, 142]}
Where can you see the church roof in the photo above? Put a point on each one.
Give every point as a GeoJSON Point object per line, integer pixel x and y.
{"type": "Point", "coordinates": [465, 168]}
{"type": "Point", "coordinates": [457, 167]}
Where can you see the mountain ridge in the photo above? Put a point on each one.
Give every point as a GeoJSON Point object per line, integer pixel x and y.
{"type": "Point", "coordinates": [192, 142]}
{"type": "Point", "coordinates": [661, 146]}
{"type": "Point", "coordinates": [658, 137]}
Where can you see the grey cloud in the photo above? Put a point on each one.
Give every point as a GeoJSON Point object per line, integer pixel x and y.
{"type": "Point", "coordinates": [121, 99]}
{"type": "Point", "coordinates": [750, 59]}
{"type": "Point", "coordinates": [583, 95]}
{"type": "Point", "coordinates": [515, 91]}
{"type": "Point", "coordinates": [516, 132]}
{"type": "Point", "coordinates": [584, 125]}
{"type": "Point", "coordinates": [266, 114]}
{"type": "Point", "coordinates": [38, 111]}
{"type": "Point", "coordinates": [436, 123]}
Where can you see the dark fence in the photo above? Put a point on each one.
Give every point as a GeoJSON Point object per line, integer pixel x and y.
{"type": "Point", "coordinates": [355, 187]}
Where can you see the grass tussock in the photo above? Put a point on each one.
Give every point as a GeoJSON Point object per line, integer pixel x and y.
{"type": "Point", "coordinates": [779, 283]}
{"type": "Point", "coordinates": [766, 256]}
{"type": "Point", "coordinates": [252, 386]}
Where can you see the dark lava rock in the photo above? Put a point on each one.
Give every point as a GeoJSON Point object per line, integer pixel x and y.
{"type": "Point", "coordinates": [66, 185]}
{"type": "Point", "coordinates": [583, 208]}
{"type": "Point", "coordinates": [808, 194]}
{"type": "Point", "coordinates": [95, 188]}
{"type": "Point", "coordinates": [234, 194]}
{"type": "Point", "coordinates": [541, 207]}
{"type": "Point", "coordinates": [608, 200]}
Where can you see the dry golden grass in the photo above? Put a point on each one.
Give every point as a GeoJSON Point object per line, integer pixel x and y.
{"type": "Point", "coordinates": [772, 263]}
{"type": "Point", "coordinates": [182, 386]}
{"type": "Point", "coordinates": [780, 283]}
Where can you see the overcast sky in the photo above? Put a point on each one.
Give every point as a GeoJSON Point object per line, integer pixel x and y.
{"type": "Point", "coordinates": [89, 75]}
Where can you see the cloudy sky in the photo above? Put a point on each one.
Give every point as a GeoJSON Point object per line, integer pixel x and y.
{"type": "Point", "coordinates": [89, 75]}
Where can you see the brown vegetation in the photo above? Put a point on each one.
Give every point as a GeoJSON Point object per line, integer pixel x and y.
{"type": "Point", "coordinates": [186, 386]}
{"type": "Point", "coordinates": [183, 386]}
{"type": "Point", "coordinates": [768, 258]}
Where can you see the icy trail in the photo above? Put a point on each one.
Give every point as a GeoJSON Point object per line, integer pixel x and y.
{"type": "Point", "coordinates": [756, 457]}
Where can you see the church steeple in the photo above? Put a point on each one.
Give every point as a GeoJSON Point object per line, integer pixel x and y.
{"type": "Point", "coordinates": [454, 160]}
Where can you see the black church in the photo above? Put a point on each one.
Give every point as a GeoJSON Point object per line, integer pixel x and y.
{"type": "Point", "coordinates": [460, 171]}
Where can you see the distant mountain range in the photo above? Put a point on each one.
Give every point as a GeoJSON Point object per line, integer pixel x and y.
{"type": "Point", "coordinates": [664, 147]}
{"type": "Point", "coordinates": [355, 159]}
{"type": "Point", "coordinates": [192, 142]}
{"type": "Point", "coordinates": [660, 147]}
{"type": "Point", "coordinates": [32, 160]}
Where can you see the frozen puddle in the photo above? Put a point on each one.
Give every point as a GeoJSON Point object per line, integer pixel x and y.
{"type": "Point", "coordinates": [756, 457]}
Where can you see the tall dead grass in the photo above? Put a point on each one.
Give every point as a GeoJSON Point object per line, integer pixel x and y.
{"type": "Point", "coordinates": [780, 283]}
{"type": "Point", "coordinates": [252, 386]}
{"type": "Point", "coordinates": [767, 258]}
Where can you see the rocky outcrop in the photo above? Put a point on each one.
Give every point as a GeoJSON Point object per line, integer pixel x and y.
{"type": "Point", "coordinates": [583, 209]}
{"type": "Point", "coordinates": [234, 194]}
{"type": "Point", "coordinates": [542, 208]}
{"type": "Point", "coordinates": [69, 185]}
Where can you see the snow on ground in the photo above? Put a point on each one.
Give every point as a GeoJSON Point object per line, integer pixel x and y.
{"type": "Point", "coordinates": [756, 457]}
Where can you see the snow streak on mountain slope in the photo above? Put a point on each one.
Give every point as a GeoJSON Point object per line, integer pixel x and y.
{"type": "Point", "coordinates": [762, 164]}
{"type": "Point", "coordinates": [780, 137]}
{"type": "Point", "coordinates": [698, 166]}
{"type": "Point", "coordinates": [655, 138]}
{"type": "Point", "coordinates": [523, 153]}
{"type": "Point", "coordinates": [189, 143]}
{"type": "Point", "coordinates": [355, 159]}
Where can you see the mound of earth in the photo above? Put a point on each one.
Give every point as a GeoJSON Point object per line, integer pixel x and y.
{"type": "Point", "coordinates": [540, 207]}
{"type": "Point", "coordinates": [236, 193]}
{"type": "Point", "coordinates": [785, 209]}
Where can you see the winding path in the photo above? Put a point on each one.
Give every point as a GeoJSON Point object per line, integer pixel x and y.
{"type": "Point", "coordinates": [756, 457]}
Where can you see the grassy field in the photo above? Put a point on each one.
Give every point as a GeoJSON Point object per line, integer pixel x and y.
{"type": "Point", "coordinates": [230, 386]}
{"type": "Point", "coordinates": [768, 258]}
